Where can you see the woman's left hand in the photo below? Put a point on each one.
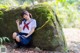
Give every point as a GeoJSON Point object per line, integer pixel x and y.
{"type": "Point", "coordinates": [25, 36]}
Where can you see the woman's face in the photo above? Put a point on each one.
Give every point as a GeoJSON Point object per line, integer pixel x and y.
{"type": "Point", "coordinates": [26, 16]}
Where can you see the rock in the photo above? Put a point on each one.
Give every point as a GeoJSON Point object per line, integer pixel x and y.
{"type": "Point", "coordinates": [3, 48]}
{"type": "Point", "coordinates": [37, 49]}
{"type": "Point", "coordinates": [48, 34]}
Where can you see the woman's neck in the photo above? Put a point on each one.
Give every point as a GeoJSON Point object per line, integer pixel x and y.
{"type": "Point", "coordinates": [29, 19]}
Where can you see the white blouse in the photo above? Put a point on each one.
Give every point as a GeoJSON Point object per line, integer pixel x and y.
{"type": "Point", "coordinates": [30, 26]}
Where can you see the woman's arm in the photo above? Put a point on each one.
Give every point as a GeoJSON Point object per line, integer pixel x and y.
{"type": "Point", "coordinates": [32, 30]}
{"type": "Point", "coordinates": [19, 28]}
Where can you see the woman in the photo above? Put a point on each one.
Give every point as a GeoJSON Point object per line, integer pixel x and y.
{"type": "Point", "coordinates": [26, 29]}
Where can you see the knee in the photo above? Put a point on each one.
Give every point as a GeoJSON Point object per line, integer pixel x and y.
{"type": "Point", "coordinates": [17, 39]}
{"type": "Point", "coordinates": [14, 35]}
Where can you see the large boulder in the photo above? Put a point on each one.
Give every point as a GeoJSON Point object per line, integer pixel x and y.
{"type": "Point", "coordinates": [48, 34]}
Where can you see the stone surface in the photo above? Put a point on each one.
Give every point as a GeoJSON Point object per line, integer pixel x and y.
{"type": "Point", "coordinates": [48, 34]}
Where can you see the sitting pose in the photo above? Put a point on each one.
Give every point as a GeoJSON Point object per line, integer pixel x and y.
{"type": "Point", "coordinates": [25, 28]}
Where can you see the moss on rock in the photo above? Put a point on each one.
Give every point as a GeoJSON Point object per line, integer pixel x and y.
{"type": "Point", "coordinates": [48, 34]}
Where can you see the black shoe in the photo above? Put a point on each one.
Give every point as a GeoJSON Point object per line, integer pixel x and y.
{"type": "Point", "coordinates": [16, 46]}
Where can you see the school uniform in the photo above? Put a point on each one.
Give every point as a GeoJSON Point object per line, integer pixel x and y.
{"type": "Point", "coordinates": [26, 28]}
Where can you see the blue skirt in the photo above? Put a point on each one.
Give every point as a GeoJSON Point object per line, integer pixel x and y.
{"type": "Point", "coordinates": [23, 40]}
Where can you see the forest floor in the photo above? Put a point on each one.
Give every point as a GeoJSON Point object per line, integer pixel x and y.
{"type": "Point", "coordinates": [72, 36]}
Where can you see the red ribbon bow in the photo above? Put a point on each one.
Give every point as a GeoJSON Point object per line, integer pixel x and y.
{"type": "Point", "coordinates": [26, 26]}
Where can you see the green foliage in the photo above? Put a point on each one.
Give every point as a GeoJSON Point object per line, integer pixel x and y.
{"type": "Point", "coordinates": [60, 1]}
{"type": "Point", "coordinates": [68, 13]}
{"type": "Point", "coordinates": [3, 40]}
{"type": "Point", "coordinates": [3, 6]}
{"type": "Point", "coordinates": [1, 13]}
{"type": "Point", "coordinates": [72, 1]}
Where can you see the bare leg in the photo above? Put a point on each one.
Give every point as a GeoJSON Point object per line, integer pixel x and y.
{"type": "Point", "coordinates": [14, 35]}
{"type": "Point", "coordinates": [17, 39]}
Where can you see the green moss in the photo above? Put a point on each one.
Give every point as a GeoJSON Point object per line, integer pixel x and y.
{"type": "Point", "coordinates": [48, 35]}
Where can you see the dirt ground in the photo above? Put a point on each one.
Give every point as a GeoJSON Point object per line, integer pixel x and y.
{"type": "Point", "coordinates": [72, 36]}
{"type": "Point", "coordinates": [27, 50]}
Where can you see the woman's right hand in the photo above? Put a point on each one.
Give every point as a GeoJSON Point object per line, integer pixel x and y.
{"type": "Point", "coordinates": [17, 21]}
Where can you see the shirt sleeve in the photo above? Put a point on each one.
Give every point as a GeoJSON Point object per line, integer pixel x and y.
{"type": "Point", "coordinates": [34, 24]}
